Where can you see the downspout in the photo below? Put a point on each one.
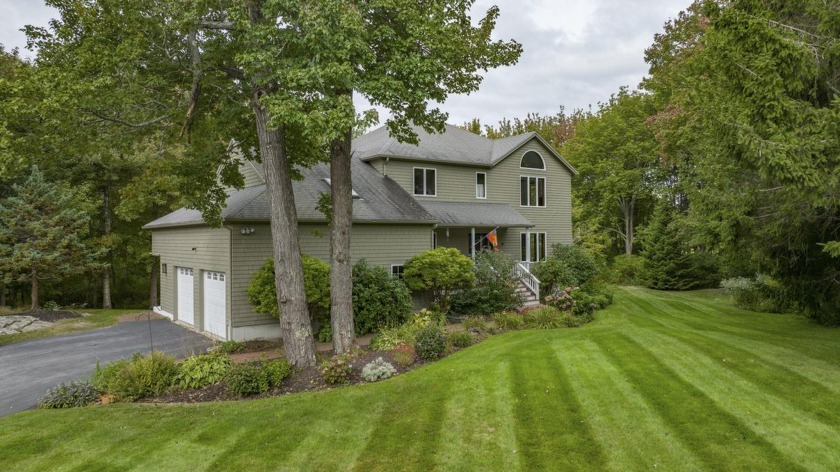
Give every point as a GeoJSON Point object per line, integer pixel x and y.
{"type": "Point", "coordinates": [385, 166]}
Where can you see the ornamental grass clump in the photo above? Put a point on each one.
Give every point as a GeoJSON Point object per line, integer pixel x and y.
{"type": "Point", "coordinates": [460, 339]}
{"type": "Point", "coordinates": [378, 369]}
{"type": "Point", "coordinates": [508, 321]}
{"type": "Point", "coordinates": [69, 395]}
{"type": "Point", "coordinates": [544, 318]}
{"type": "Point", "coordinates": [404, 354]}
{"type": "Point", "coordinates": [474, 323]}
{"type": "Point", "coordinates": [142, 376]}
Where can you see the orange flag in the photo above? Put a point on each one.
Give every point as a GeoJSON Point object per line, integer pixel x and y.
{"type": "Point", "coordinates": [494, 239]}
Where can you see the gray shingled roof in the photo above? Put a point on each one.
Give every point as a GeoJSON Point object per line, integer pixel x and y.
{"type": "Point", "coordinates": [454, 145]}
{"type": "Point", "coordinates": [465, 215]}
{"type": "Point", "coordinates": [382, 201]}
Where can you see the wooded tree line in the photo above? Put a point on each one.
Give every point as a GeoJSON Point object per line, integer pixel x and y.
{"type": "Point", "coordinates": [142, 102]}
{"type": "Point", "coordinates": [727, 160]}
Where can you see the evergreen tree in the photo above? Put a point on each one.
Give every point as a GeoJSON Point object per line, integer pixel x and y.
{"type": "Point", "coordinates": [43, 230]}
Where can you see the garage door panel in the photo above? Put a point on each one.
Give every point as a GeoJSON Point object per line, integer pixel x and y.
{"type": "Point", "coordinates": [186, 293]}
{"type": "Point", "coordinates": [215, 303]}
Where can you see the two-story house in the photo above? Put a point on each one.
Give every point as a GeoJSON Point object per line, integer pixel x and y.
{"type": "Point", "coordinates": [450, 190]}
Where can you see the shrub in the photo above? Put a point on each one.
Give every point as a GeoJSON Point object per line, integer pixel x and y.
{"type": "Point", "coordinates": [404, 354]}
{"type": "Point", "coordinates": [231, 347]}
{"type": "Point", "coordinates": [389, 338]}
{"type": "Point", "coordinates": [440, 271]}
{"type": "Point", "coordinates": [275, 371]}
{"type": "Point", "coordinates": [495, 288]}
{"type": "Point", "coordinates": [325, 333]}
{"type": "Point", "coordinates": [378, 369]}
{"type": "Point", "coordinates": [69, 395]}
{"type": "Point", "coordinates": [460, 339]}
{"type": "Point", "coordinates": [246, 379]}
{"type": "Point", "coordinates": [554, 274]}
{"type": "Point", "coordinates": [544, 318]}
{"type": "Point", "coordinates": [336, 370]}
{"type": "Point", "coordinates": [200, 371]}
{"type": "Point", "coordinates": [430, 342]}
{"type": "Point", "coordinates": [580, 262]}
{"type": "Point", "coordinates": [508, 321]}
{"type": "Point", "coordinates": [316, 280]}
{"type": "Point", "coordinates": [142, 376]}
{"type": "Point", "coordinates": [474, 323]}
{"type": "Point", "coordinates": [761, 293]}
{"type": "Point", "coordinates": [379, 300]}
{"type": "Point", "coordinates": [625, 269]}
{"type": "Point", "coordinates": [562, 299]}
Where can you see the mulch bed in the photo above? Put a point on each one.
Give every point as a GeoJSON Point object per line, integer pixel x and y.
{"type": "Point", "coordinates": [51, 316]}
{"type": "Point", "coordinates": [304, 380]}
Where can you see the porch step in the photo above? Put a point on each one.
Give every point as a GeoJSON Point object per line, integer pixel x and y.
{"type": "Point", "coordinates": [529, 299]}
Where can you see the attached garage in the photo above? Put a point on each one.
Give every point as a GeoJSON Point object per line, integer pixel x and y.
{"type": "Point", "coordinates": [186, 291]}
{"type": "Point", "coordinates": [215, 303]}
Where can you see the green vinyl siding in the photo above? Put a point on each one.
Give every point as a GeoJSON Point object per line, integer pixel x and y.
{"type": "Point", "coordinates": [199, 248]}
{"type": "Point", "coordinates": [379, 244]}
{"type": "Point", "coordinates": [456, 183]}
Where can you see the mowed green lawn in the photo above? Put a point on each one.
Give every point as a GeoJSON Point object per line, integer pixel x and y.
{"type": "Point", "coordinates": [667, 381]}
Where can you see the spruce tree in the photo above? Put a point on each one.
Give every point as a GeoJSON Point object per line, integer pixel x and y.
{"type": "Point", "coordinates": [43, 231]}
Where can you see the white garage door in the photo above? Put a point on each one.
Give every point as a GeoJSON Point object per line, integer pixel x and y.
{"type": "Point", "coordinates": [214, 303]}
{"type": "Point", "coordinates": [186, 289]}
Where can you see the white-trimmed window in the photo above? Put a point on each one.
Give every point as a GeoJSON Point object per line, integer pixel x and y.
{"type": "Point", "coordinates": [425, 181]}
{"type": "Point", "coordinates": [532, 191]}
{"type": "Point", "coordinates": [533, 246]}
{"type": "Point", "coordinates": [480, 185]}
{"type": "Point", "coordinates": [532, 160]}
{"type": "Point", "coordinates": [397, 271]}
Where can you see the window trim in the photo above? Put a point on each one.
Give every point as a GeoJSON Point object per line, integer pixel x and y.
{"type": "Point", "coordinates": [532, 168]}
{"type": "Point", "coordinates": [425, 186]}
{"type": "Point", "coordinates": [545, 191]}
{"type": "Point", "coordinates": [526, 249]}
{"type": "Point", "coordinates": [484, 185]}
{"type": "Point", "coordinates": [398, 276]}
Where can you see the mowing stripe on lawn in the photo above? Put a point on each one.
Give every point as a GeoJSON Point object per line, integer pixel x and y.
{"type": "Point", "coordinates": [776, 420]}
{"type": "Point", "coordinates": [478, 429]}
{"type": "Point", "coordinates": [774, 377]}
{"type": "Point", "coordinates": [632, 434]}
{"type": "Point", "coordinates": [550, 426]}
{"type": "Point", "coordinates": [718, 438]}
{"type": "Point", "coordinates": [408, 427]}
{"type": "Point", "coordinates": [816, 370]}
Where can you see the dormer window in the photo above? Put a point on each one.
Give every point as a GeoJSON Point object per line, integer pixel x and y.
{"type": "Point", "coordinates": [355, 195]}
{"type": "Point", "coordinates": [532, 160]}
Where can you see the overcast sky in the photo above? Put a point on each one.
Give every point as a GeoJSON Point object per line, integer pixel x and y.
{"type": "Point", "coordinates": [576, 52]}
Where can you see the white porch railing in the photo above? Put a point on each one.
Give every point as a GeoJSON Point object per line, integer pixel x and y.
{"type": "Point", "coordinates": [527, 278]}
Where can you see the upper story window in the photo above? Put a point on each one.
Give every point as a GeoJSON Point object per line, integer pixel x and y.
{"type": "Point", "coordinates": [480, 185]}
{"type": "Point", "coordinates": [532, 160]}
{"type": "Point", "coordinates": [532, 191]}
{"type": "Point", "coordinates": [425, 181]}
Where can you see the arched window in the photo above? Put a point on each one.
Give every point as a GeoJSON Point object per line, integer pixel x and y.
{"type": "Point", "coordinates": [532, 160]}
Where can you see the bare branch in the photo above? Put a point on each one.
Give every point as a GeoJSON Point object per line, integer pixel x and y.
{"type": "Point", "coordinates": [198, 74]}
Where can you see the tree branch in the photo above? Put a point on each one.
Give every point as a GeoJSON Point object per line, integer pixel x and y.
{"type": "Point", "coordinates": [126, 123]}
{"type": "Point", "coordinates": [217, 25]}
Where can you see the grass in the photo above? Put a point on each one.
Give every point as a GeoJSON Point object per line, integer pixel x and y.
{"type": "Point", "coordinates": [668, 381]}
{"type": "Point", "coordinates": [99, 318]}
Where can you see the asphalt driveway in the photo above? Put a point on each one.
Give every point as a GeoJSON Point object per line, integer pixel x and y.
{"type": "Point", "coordinates": [30, 368]}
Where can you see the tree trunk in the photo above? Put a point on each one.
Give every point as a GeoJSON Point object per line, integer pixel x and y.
{"type": "Point", "coordinates": [106, 229]}
{"type": "Point", "coordinates": [2, 294]}
{"type": "Point", "coordinates": [34, 295]}
{"type": "Point", "coordinates": [153, 285]}
{"type": "Point", "coordinates": [341, 270]}
{"type": "Point", "coordinates": [295, 326]}
{"type": "Point", "coordinates": [628, 210]}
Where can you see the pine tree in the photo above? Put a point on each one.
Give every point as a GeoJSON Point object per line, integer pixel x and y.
{"type": "Point", "coordinates": [43, 230]}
